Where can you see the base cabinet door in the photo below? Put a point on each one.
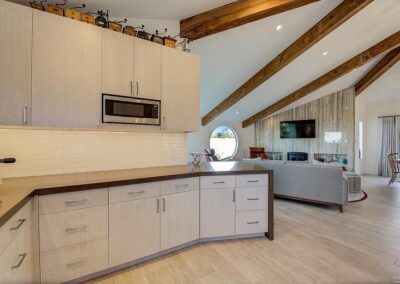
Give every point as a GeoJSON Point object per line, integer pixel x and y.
{"type": "Point", "coordinates": [179, 219]}
{"type": "Point", "coordinates": [134, 230]}
{"type": "Point", "coordinates": [217, 212]}
{"type": "Point", "coordinates": [15, 63]}
{"type": "Point", "coordinates": [17, 261]}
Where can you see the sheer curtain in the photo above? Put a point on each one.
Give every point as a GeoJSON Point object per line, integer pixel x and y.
{"type": "Point", "coordinates": [390, 138]}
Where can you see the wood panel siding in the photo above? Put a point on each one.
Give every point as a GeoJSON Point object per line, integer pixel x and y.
{"type": "Point", "coordinates": [353, 63]}
{"type": "Point", "coordinates": [329, 23]}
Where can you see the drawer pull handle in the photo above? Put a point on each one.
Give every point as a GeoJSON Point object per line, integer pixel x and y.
{"type": "Point", "coordinates": [253, 199]}
{"type": "Point", "coordinates": [252, 223]}
{"type": "Point", "coordinates": [20, 222]}
{"type": "Point", "coordinates": [253, 181]}
{"type": "Point", "coordinates": [79, 262]}
{"type": "Point", "coordinates": [163, 204]}
{"type": "Point", "coordinates": [75, 202]}
{"type": "Point", "coordinates": [158, 205]}
{"type": "Point", "coordinates": [75, 229]}
{"type": "Point", "coordinates": [234, 196]}
{"type": "Point", "coordinates": [177, 186]}
{"type": "Point", "coordinates": [218, 182]}
{"type": "Point", "coordinates": [136, 192]}
{"type": "Point", "coordinates": [22, 256]}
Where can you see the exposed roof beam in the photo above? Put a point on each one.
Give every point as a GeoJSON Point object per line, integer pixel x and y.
{"type": "Point", "coordinates": [235, 14]}
{"type": "Point", "coordinates": [329, 23]}
{"type": "Point", "coordinates": [378, 70]}
{"type": "Point", "coordinates": [360, 59]}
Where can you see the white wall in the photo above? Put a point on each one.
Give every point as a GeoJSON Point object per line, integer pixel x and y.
{"type": "Point", "coordinates": [199, 141]}
{"type": "Point", "coordinates": [360, 116]}
{"type": "Point", "coordinates": [372, 129]}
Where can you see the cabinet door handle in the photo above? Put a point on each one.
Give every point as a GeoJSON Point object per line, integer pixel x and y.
{"type": "Point", "coordinates": [75, 263]}
{"type": "Point", "coordinates": [136, 192]}
{"type": "Point", "coordinates": [131, 86]}
{"type": "Point", "coordinates": [158, 205]}
{"type": "Point", "coordinates": [163, 204]}
{"type": "Point", "coordinates": [234, 196]}
{"type": "Point", "coordinates": [25, 116]}
{"type": "Point", "coordinates": [76, 202]}
{"type": "Point", "coordinates": [75, 229]}
{"type": "Point", "coordinates": [20, 222]}
{"type": "Point", "coordinates": [164, 123]}
{"type": "Point", "coordinates": [137, 88]}
{"type": "Point", "coordinates": [218, 182]}
{"type": "Point", "coordinates": [253, 199]}
{"type": "Point", "coordinates": [22, 258]}
{"type": "Point", "coordinates": [252, 223]}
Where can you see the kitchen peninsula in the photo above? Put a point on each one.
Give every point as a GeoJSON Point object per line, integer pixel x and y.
{"type": "Point", "coordinates": [89, 224]}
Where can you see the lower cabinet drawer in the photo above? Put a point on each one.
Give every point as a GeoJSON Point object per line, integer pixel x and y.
{"type": "Point", "coordinates": [9, 230]}
{"type": "Point", "coordinates": [251, 222]}
{"type": "Point", "coordinates": [72, 227]}
{"type": "Point", "coordinates": [251, 198]}
{"type": "Point", "coordinates": [134, 192]}
{"type": "Point", "coordinates": [179, 185]}
{"type": "Point", "coordinates": [74, 261]}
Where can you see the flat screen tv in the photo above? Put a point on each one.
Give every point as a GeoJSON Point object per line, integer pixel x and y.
{"type": "Point", "coordinates": [298, 129]}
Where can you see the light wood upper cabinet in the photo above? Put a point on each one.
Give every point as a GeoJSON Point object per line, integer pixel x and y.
{"type": "Point", "coordinates": [66, 72]}
{"type": "Point", "coordinates": [15, 64]}
{"type": "Point", "coordinates": [180, 104]}
{"type": "Point", "coordinates": [179, 219]}
{"type": "Point", "coordinates": [118, 64]}
{"type": "Point", "coordinates": [147, 69]}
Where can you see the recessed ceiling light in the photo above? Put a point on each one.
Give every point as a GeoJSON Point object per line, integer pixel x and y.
{"type": "Point", "coordinates": [237, 112]}
{"type": "Point", "coordinates": [325, 53]}
{"type": "Point", "coordinates": [278, 27]}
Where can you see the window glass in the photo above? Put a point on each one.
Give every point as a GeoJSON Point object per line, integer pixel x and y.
{"type": "Point", "coordinates": [224, 141]}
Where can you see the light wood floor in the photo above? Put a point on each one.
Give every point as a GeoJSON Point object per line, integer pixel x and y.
{"type": "Point", "coordinates": [313, 244]}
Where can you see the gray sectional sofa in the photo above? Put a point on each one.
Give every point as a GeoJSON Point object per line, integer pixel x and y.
{"type": "Point", "coordinates": [318, 184]}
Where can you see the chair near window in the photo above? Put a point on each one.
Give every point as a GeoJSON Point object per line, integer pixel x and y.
{"type": "Point", "coordinates": [210, 155]}
{"type": "Point", "coordinates": [394, 167]}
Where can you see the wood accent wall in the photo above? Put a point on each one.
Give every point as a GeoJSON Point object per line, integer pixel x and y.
{"type": "Point", "coordinates": [333, 113]}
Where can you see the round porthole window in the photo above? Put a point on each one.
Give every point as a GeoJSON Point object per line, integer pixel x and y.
{"type": "Point", "coordinates": [224, 141]}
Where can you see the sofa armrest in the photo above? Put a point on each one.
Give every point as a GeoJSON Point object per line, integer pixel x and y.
{"type": "Point", "coordinates": [345, 190]}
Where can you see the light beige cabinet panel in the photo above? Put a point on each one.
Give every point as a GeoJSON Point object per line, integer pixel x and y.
{"type": "Point", "coordinates": [17, 261]}
{"type": "Point", "coordinates": [118, 64]}
{"type": "Point", "coordinates": [134, 230]}
{"type": "Point", "coordinates": [74, 261]}
{"type": "Point", "coordinates": [147, 69]}
{"type": "Point", "coordinates": [15, 64]}
{"type": "Point", "coordinates": [217, 212]}
{"type": "Point", "coordinates": [66, 72]}
{"type": "Point", "coordinates": [180, 106]}
{"type": "Point", "coordinates": [179, 219]}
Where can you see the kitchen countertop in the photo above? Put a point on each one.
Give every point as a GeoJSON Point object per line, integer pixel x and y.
{"type": "Point", "coordinates": [16, 192]}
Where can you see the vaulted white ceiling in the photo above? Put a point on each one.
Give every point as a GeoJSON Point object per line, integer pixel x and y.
{"type": "Point", "coordinates": [228, 59]}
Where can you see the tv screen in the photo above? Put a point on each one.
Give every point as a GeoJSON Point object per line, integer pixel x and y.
{"type": "Point", "coordinates": [298, 129]}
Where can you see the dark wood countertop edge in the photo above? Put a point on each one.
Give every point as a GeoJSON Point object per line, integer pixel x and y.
{"type": "Point", "coordinates": [91, 186]}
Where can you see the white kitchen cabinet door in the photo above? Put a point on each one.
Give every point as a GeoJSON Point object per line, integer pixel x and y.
{"type": "Point", "coordinates": [180, 106]}
{"type": "Point", "coordinates": [66, 72]}
{"type": "Point", "coordinates": [179, 219]}
{"type": "Point", "coordinates": [118, 64]}
{"type": "Point", "coordinates": [217, 212]}
{"type": "Point", "coordinates": [147, 69]}
{"type": "Point", "coordinates": [134, 230]}
{"type": "Point", "coordinates": [15, 64]}
{"type": "Point", "coordinates": [17, 261]}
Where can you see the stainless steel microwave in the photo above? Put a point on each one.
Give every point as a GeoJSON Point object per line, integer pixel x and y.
{"type": "Point", "coordinates": [129, 110]}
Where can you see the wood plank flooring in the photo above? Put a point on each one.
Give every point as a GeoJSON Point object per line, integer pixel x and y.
{"type": "Point", "coordinates": [313, 244]}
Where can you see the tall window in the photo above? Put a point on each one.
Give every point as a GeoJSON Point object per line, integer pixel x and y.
{"type": "Point", "coordinates": [224, 141]}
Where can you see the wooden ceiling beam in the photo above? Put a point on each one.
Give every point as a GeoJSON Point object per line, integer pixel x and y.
{"type": "Point", "coordinates": [360, 59]}
{"type": "Point", "coordinates": [329, 23]}
{"type": "Point", "coordinates": [378, 70]}
{"type": "Point", "coordinates": [235, 14]}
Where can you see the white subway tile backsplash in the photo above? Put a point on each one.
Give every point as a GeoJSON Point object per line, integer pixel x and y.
{"type": "Point", "coordinates": [43, 152]}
